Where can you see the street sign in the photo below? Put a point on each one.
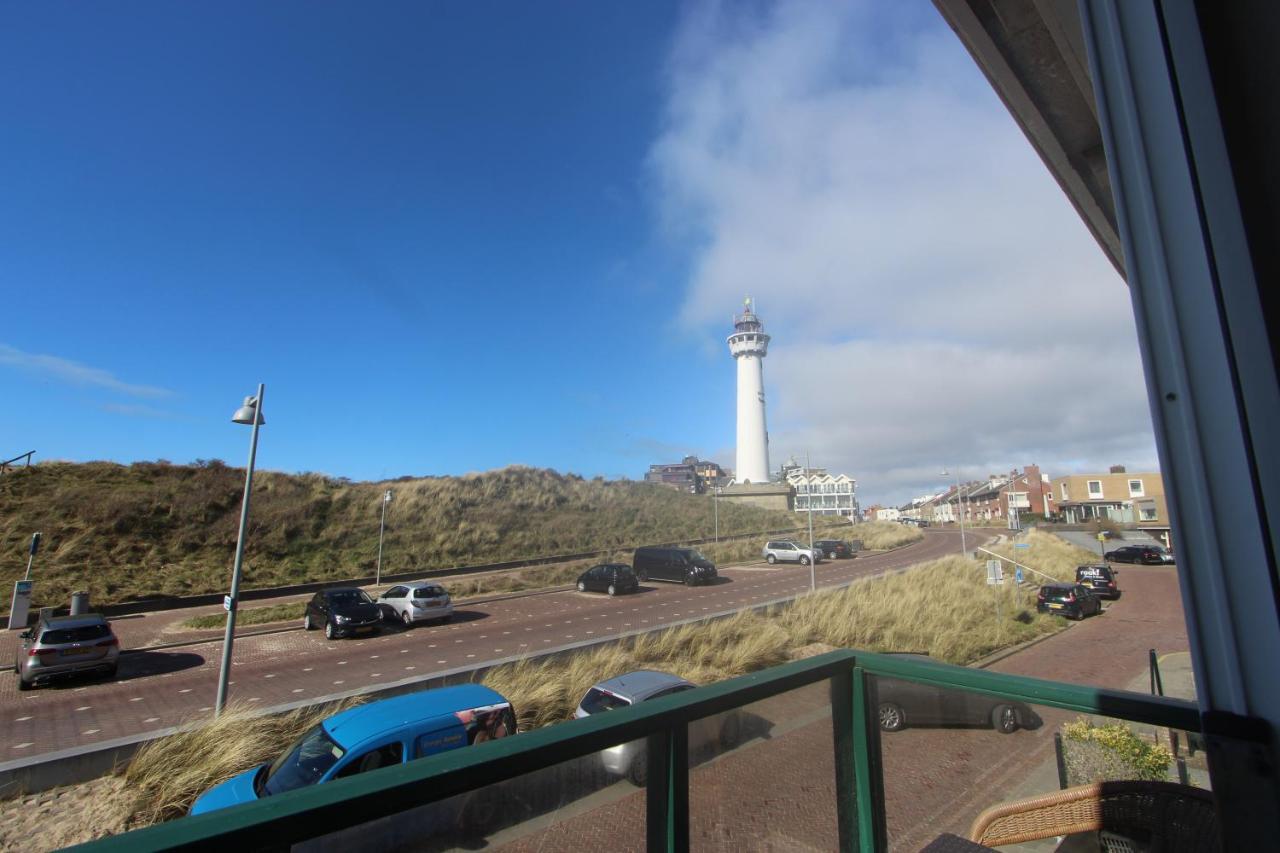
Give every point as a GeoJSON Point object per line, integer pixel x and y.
{"type": "Point", "coordinates": [226, 603]}
{"type": "Point", "coordinates": [995, 572]}
{"type": "Point", "coordinates": [1017, 575]}
{"type": "Point", "coordinates": [1022, 544]}
{"type": "Point", "coordinates": [21, 605]}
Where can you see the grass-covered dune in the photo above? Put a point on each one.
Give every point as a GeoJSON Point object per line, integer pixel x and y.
{"type": "Point", "coordinates": [123, 531]}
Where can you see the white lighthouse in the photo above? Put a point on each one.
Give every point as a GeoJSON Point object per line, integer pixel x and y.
{"type": "Point", "coordinates": [749, 345]}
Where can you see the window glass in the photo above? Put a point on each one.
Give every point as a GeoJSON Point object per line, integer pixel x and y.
{"type": "Point", "coordinates": [349, 596]}
{"type": "Point", "coordinates": [382, 756]}
{"type": "Point", "coordinates": [82, 634]}
{"type": "Point", "coordinates": [1095, 488]}
{"type": "Point", "coordinates": [428, 592]}
{"type": "Point", "coordinates": [303, 764]}
{"type": "Point", "coordinates": [598, 700]}
{"type": "Point", "coordinates": [395, 592]}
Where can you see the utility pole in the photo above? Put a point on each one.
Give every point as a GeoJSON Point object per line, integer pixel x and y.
{"type": "Point", "coordinates": [715, 501]}
{"type": "Point", "coordinates": [813, 555]}
{"type": "Point", "coordinates": [386, 499]}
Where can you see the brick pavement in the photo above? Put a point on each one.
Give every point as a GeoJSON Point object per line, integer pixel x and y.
{"type": "Point", "coordinates": [163, 688]}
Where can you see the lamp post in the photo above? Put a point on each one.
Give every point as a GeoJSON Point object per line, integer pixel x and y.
{"type": "Point", "coordinates": [249, 413]}
{"type": "Point", "coordinates": [386, 499]}
{"type": "Point", "coordinates": [715, 501]}
{"type": "Point", "coordinates": [813, 555]}
{"type": "Point", "coordinates": [964, 548]}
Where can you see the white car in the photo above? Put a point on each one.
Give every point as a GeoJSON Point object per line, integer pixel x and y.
{"type": "Point", "coordinates": [417, 602]}
{"type": "Point", "coordinates": [786, 551]}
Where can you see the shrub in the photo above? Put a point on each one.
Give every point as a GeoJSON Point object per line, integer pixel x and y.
{"type": "Point", "coordinates": [1111, 752]}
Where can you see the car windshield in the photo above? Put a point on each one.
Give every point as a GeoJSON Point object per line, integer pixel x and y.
{"type": "Point", "coordinates": [303, 764]}
{"type": "Point", "coordinates": [695, 554]}
{"type": "Point", "coordinates": [81, 634]}
{"type": "Point", "coordinates": [349, 596]}
{"type": "Point", "coordinates": [598, 700]}
{"type": "Point", "coordinates": [428, 592]}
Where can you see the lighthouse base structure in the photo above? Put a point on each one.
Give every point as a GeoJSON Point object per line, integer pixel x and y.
{"type": "Point", "coordinates": [765, 495]}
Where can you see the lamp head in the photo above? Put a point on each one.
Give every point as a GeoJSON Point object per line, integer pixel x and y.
{"type": "Point", "coordinates": [245, 414]}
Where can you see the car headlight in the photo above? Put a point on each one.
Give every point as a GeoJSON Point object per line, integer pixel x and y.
{"type": "Point", "coordinates": [341, 620]}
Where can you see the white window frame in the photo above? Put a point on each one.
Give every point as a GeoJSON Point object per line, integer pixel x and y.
{"type": "Point", "coordinates": [1088, 484]}
{"type": "Point", "coordinates": [1136, 493]}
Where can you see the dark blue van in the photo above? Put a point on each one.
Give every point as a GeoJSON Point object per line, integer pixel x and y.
{"type": "Point", "coordinates": [379, 734]}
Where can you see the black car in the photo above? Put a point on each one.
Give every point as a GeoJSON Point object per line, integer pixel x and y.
{"type": "Point", "coordinates": [681, 565]}
{"type": "Point", "coordinates": [910, 703]}
{"type": "Point", "coordinates": [1100, 579]}
{"type": "Point", "coordinates": [833, 548]}
{"type": "Point", "coordinates": [1073, 600]}
{"type": "Point", "coordinates": [613, 578]}
{"type": "Point", "coordinates": [342, 611]}
{"type": "Point", "coordinates": [1147, 555]}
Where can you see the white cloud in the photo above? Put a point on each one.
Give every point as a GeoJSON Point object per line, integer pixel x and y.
{"type": "Point", "coordinates": [933, 297]}
{"type": "Point", "coordinates": [74, 373]}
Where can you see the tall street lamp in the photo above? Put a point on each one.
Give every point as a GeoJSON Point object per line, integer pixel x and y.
{"type": "Point", "coordinates": [715, 501]}
{"type": "Point", "coordinates": [964, 549]}
{"type": "Point", "coordinates": [249, 413]}
{"type": "Point", "coordinates": [386, 499]}
{"type": "Point", "coordinates": [813, 555]}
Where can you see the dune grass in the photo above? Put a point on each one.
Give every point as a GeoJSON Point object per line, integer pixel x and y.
{"type": "Point", "coordinates": [882, 535]}
{"type": "Point", "coordinates": [123, 532]}
{"type": "Point", "coordinates": [251, 616]}
{"type": "Point", "coordinates": [1047, 553]}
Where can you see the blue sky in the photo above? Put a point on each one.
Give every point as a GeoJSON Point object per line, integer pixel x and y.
{"type": "Point", "coordinates": [453, 237]}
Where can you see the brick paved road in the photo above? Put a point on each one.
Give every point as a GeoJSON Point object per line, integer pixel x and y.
{"type": "Point", "coordinates": [163, 688]}
{"type": "Point", "coordinates": [778, 793]}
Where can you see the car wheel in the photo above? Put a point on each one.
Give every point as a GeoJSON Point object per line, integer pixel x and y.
{"type": "Point", "coordinates": [642, 576]}
{"type": "Point", "coordinates": [306, 623]}
{"type": "Point", "coordinates": [804, 561]}
{"type": "Point", "coordinates": [891, 717]}
{"type": "Point", "coordinates": [1004, 719]}
{"type": "Point", "coordinates": [831, 555]}
{"type": "Point", "coordinates": [582, 587]}
{"type": "Point", "coordinates": [638, 772]}
{"type": "Point", "coordinates": [613, 590]}
{"type": "Point", "coordinates": [771, 559]}
{"type": "Point", "coordinates": [406, 619]}
{"type": "Point", "coordinates": [731, 731]}
{"type": "Point", "coordinates": [23, 684]}
{"type": "Point", "coordinates": [328, 631]}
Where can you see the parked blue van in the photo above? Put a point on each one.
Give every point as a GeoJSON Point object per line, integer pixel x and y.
{"type": "Point", "coordinates": [380, 734]}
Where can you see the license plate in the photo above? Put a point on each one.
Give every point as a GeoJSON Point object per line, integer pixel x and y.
{"type": "Point", "coordinates": [1055, 606]}
{"type": "Point", "coordinates": [73, 652]}
{"type": "Point", "coordinates": [364, 628]}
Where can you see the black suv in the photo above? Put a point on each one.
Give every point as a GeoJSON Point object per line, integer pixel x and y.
{"type": "Point", "coordinates": [1073, 600]}
{"type": "Point", "coordinates": [342, 612]}
{"type": "Point", "coordinates": [833, 548]}
{"type": "Point", "coordinates": [1147, 555]}
{"type": "Point", "coordinates": [682, 565]}
{"type": "Point", "coordinates": [1100, 579]}
{"type": "Point", "coordinates": [613, 578]}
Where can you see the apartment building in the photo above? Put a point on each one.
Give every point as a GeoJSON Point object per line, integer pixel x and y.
{"type": "Point", "coordinates": [1118, 495]}
{"type": "Point", "coordinates": [828, 494]}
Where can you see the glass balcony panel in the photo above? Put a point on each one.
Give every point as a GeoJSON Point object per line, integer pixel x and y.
{"type": "Point", "coordinates": [950, 755]}
{"type": "Point", "coordinates": [561, 807]}
{"type": "Point", "coordinates": [763, 777]}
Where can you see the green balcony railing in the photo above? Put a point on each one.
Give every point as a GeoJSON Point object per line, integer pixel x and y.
{"type": "Point", "coordinates": [664, 725]}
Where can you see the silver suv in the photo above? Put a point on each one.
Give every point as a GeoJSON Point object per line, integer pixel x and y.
{"type": "Point", "coordinates": [66, 645]}
{"type": "Point", "coordinates": [786, 551]}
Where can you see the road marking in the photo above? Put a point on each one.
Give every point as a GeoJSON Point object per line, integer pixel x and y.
{"type": "Point", "coordinates": [23, 719]}
{"type": "Point", "coordinates": [90, 731]}
{"type": "Point", "coordinates": [495, 651]}
{"type": "Point", "coordinates": [342, 663]}
{"type": "Point", "coordinates": [188, 689]}
{"type": "Point", "coordinates": [432, 646]}
{"type": "Point", "coordinates": [307, 668]}
{"type": "Point", "coordinates": [297, 690]}
{"type": "Point", "coordinates": [255, 699]}
{"type": "Point", "coordinates": [22, 745]}
{"type": "Point", "coordinates": [136, 699]}
{"type": "Point", "coordinates": [84, 707]}
{"type": "Point", "coordinates": [375, 675]}
{"type": "Point", "coordinates": [442, 661]}
{"type": "Point", "coordinates": [338, 682]}
{"type": "Point", "coordinates": [410, 667]}
{"type": "Point", "coordinates": [207, 708]}
{"type": "Point", "coordinates": [269, 675]}
{"type": "Point", "coordinates": [504, 633]}
{"type": "Point", "coordinates": [373, 657]}
{"type": "Point", "coordinates": [151, 720]}
{"type": "Point", "coordinates": [484, 636]}
{"type": "Point", "coordinates": [402, 651]}
{"type": "Point", "coordinates": [470, 656]}
{"type": "Point", "coordinates": [591, 632]}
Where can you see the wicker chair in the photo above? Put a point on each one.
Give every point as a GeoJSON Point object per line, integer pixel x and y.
{"type": "Point", "coordinates": [1129, 816]}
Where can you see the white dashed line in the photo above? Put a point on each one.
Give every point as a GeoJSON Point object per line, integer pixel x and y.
{"type": "Point", "coordinates": [342, 663]}
{"type": "Point", "coordinates": [151, 720]}
{"type": "Point", "coordinates": [90, 731]}
{"type": "Point", "coordinates": [21, 745]}
{"type": "Point", "coordinates": [338, 682]}
{"type": "Point", "coordinates": [442, 661]}
{"type": "Point", "coordinates": [255, 699]}
{"type": "Point", "coordinates": [307, 668]}
{"type": "Point", "coordinates": [84, 707]}
{"type": "Point", "coordinates": [373, 657]}
{"type": "Point", "coordinates": [136, 699]}
{"type": "Point", "coordinates": [185, 690]}
{"type": "Point", "coordinates": [297, 690]}
{"type": "Point", "coordinates": [410, 667]}
{"type": "Point", "coordinates": [375, 675]}
{"type": "Point", "coordinates": [23, 719]}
